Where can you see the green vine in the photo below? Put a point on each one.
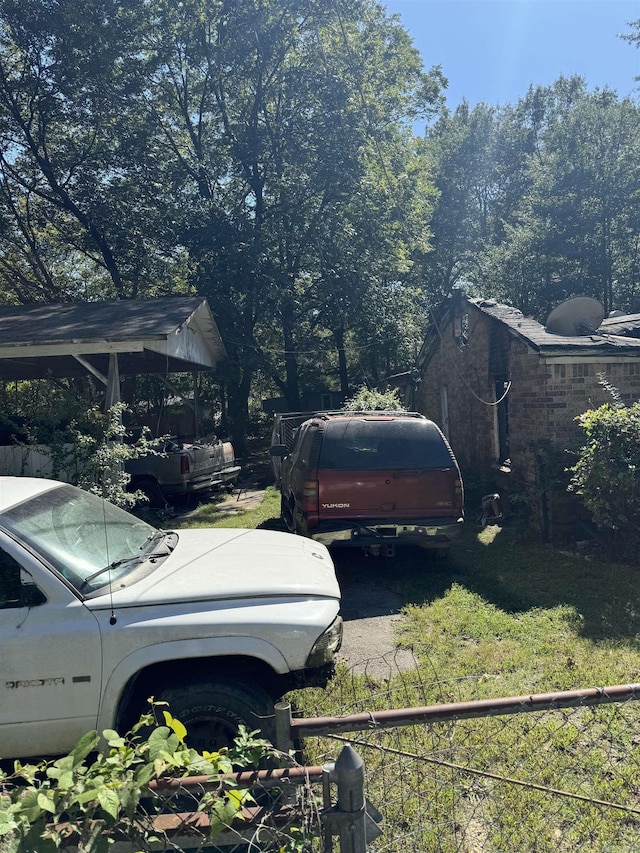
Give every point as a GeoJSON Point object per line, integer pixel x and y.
{"type": "Point", "coordinates": [102, 789]}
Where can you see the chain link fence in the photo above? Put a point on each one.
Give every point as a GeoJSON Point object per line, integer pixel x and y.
{"type": "Point", "coordinates": [553, 772]}
{"type": "Point", "coordinates": [546, 772]}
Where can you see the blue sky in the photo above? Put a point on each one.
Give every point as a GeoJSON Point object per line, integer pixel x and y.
{"type": "Point", "coordinates": [493, 50]}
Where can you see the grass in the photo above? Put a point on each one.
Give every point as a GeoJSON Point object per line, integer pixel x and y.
{"type": "Point", "coordinates": [503, 615]}
{"type": "Point", "coordinates": [210, 514]}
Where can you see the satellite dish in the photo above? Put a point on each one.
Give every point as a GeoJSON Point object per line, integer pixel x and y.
{"type": "Point", "coordinates": [578, 316]}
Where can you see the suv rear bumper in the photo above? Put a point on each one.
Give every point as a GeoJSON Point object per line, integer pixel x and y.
{"type": "Point", "coordinates": [428, 532]}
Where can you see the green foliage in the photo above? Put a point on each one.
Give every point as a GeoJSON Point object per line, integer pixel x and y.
{"type": "Point", "coordinates": [607, 474]}
{"type": "Point", "coordinates": [92, 454]}
{"type": "Point", "coordinates": [368, 399]}
{"type": "Point", "coordinates": [538, 200]}
{"type": "Point", "coordinates": [103, 787]}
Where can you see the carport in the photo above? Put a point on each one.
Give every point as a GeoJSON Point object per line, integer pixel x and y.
{"type": "Point", "coordinates": [170, 334]}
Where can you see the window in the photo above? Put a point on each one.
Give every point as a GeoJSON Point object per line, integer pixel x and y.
{"type": "Point", "coordinates": [10, 584]}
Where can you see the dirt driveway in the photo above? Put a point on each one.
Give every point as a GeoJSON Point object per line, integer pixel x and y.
{"type": "Point", "coordinates": [371, 613]}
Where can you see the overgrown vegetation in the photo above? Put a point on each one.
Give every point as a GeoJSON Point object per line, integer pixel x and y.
{"type": "Point", "coordinates": [102, 788]}
{"type": "Point", "coordinates": [607, 474]}
{"type": "Point", "coordinates": [369, 399]}
{"type": "Point", "coordinates": [90, 453]}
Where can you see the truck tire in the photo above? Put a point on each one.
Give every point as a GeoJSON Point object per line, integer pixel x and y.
{"type": "Point", "coordinates": [152, 491]}
{"type": "Point", "coordinates": [286, 514]}
{"type": "Point", "coordinates": [212, 711]}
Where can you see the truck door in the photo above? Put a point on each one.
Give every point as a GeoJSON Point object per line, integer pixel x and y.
{"type": "Point", "coordinates": [50, 663]}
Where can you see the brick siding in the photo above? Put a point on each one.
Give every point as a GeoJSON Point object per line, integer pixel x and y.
{"type": "Point", "coordinates": [543, 401]}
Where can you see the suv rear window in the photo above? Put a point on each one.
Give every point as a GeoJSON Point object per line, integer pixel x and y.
{"type": "Point", "coordinates": [357, 444]}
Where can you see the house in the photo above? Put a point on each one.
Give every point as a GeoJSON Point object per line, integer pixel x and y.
{"type": "Point", "coordinates": [506, 391]}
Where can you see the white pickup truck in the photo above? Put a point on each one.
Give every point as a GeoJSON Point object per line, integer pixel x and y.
{"type": "Point", "coordinates": [99, 611]}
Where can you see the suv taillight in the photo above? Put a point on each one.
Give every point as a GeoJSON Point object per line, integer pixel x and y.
{"type": "Point", "coordinates": [457, 495]}
{"type": "Point", "coordinates": [310, 496]}
{"type": "Point", "coordinates": [184, 464]}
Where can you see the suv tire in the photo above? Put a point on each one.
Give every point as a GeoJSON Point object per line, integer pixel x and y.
{"type": "Point", "coordinates": [286, 514]}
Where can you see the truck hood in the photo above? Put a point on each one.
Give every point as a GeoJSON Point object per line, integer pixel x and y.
{"type": "Point", "coordinates": [213, 565]}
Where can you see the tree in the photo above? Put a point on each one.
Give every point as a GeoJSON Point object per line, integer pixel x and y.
{"type": "Point", "coordinates": [462, 158]}
{"type": "Point", "coordinates": [539, 201]}
{"type": "Point", "coordinates": [70, 77]}
{"type": "Point", "coordinates": [278, 141]}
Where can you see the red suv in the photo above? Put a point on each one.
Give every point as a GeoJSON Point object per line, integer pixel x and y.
{"type": "Point", "coordinates": [371, 479]}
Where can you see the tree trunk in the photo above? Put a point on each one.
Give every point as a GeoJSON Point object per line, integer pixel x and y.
{"type": "Point", "coordinates": [292, 393]}
{"type": "Point", "coordinates": [338, 335]}
{"type": "Point", "coordinates": [238, 406]}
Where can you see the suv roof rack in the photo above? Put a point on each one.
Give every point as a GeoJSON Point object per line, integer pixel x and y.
{"type": "Point", "coordinates": [368, 413]}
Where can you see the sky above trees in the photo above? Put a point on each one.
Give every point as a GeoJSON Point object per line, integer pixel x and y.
{"type": "Point", "coordinates": [493, 50]}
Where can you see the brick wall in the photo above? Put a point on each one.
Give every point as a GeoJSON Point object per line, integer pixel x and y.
{"type": "Point", "coordinates": [464, 370]}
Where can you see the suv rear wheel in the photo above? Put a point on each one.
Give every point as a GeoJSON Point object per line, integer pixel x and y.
{"type": "Point", "coordinates": [286, 513]}
{"type": "Point", "coordinates": [212, 711]}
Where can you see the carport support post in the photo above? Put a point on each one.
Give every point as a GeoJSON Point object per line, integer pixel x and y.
{"type": "Point", "coordinates": [113, 382]}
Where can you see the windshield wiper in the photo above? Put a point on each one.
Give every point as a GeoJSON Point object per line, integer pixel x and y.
{"type": "Point", "coordinates": [114, 565]}
{"type": "Point", "coordinates": [134, 558]}
{"type": "Point", "coordinates": [160, 535]}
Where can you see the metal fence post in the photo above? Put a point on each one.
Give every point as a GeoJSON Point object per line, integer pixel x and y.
{"type": "Point", "coordinates": [283, 727]}
{"type": "Point", "coordinates": [285, 746]}
{"type": "Point", "coordinates": [349, 777]}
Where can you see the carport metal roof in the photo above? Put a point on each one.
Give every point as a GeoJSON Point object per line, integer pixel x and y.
{"type": "Point", "coordinates": [169, 334]}
{"type": "Point", "coordinates": [165, 335]}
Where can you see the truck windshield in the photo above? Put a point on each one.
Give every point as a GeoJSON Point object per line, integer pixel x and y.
{"type": "Point", "coordinates": [80, 534]}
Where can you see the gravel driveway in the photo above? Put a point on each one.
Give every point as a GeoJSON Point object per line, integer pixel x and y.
{"type": "Point", "coordinates": [371, 613]}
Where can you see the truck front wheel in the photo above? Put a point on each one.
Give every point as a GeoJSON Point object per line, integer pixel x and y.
{"type": "Point", "coordinates": [212, 711]}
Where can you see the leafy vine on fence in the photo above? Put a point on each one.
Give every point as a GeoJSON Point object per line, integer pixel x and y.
{"type": "Point", "coordinates": [102, 787]}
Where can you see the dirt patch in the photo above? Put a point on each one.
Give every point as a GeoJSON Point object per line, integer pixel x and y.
{"type": "Point", "coordinates": [372, 614]}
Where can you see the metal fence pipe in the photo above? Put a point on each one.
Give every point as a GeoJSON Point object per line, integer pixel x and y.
{"type": "Point", "coordinates": [302, 726]}
{"type": "Point", "coordinates": [243, 779]}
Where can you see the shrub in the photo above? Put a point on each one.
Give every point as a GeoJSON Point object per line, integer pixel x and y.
{"type": "Point", "coordinates": [607, 474]}
{"type": "Point", "coordinates": [91, 454]}
{"type": "Point", "coordinates": [103, 788]}
{"type": "Point", "coordinates": [367, 399]}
